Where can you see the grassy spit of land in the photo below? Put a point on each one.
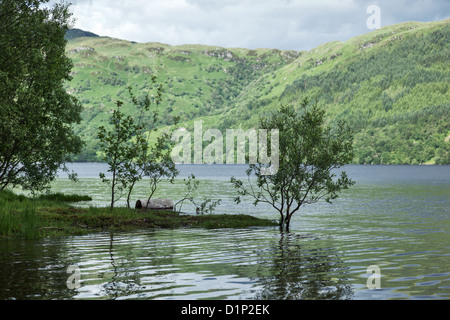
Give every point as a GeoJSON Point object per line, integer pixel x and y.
{"type": "Point", "coordinates": [54, 215]}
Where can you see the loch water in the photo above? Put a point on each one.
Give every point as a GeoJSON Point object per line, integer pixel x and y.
{"type": "Point", "coordinates": [387, 237]}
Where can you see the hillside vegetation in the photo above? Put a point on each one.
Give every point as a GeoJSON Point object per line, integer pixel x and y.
{"type": "Point", "coordinates": [391, 85]}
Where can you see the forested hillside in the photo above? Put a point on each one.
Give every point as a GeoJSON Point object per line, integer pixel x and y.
{"type": "Point", "coordinates": [391, 85]}
{"type": "Point", "coordinates": [199, 81]}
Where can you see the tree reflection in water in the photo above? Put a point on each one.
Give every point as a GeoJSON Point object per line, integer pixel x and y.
{"type": "Point", "coordinates": [122, 282]}
{"type": "Point", "coordinates": [246, 264]}
{"type": "Point", "coordinates": [295, 268]}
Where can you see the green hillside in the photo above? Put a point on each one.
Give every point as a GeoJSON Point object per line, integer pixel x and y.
{"type": "Point", "coordinates": [199, 81]}
{"type": "Point", "coordinates": [391, 84]}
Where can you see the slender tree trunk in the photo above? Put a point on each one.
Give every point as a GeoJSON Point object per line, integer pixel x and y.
{"type": "Point", "coordinates": [152, 188]}
{"type": "Point", "coordinates": [281, 220]}
{"type": "Point", "coordinates": [129, 194]}
{"type": "Point", "coordinates": [288, 215]}
{"type": "Point", "coordinates": [288, 222]}
{"type": "Point", "coordinates": [113, 184]}
{"type": "Point", "coordinates": [112, 189]}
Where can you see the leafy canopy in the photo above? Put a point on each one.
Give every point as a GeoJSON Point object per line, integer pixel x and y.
{"type": "Point", "coordinates": [309, 154]}
{"type": "Point", "coordinates": [127, 151]}
{"type": "Point", "coordinates": [36, 112]}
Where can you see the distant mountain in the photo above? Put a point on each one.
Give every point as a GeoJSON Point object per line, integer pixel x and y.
{"type": "Point", "coordinates": [391, 85]}
{"type": "Point", "coordinates": [200, 81]}
{"type": "Point", "coordinates": [78, 33]}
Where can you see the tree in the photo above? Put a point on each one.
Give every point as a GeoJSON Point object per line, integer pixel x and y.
{"type": "Point", "coordinates": [36, 112]}
{"type": "Point", "coordinates": [309, 152]}
{"type": "Point", "coordinates": [158, 163]}
{"type": "Point", "coordinates": [117, 149]}
{"type": "Point", "coordinates": [126, 149]}
{"type": "Point", "coordinates": [191, 185]}
{"type": "Point", "coordinates": [206, 206]}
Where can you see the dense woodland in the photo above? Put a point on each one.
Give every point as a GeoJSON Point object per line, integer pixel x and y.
{"type": "Point", "coordinates": [396, 99]}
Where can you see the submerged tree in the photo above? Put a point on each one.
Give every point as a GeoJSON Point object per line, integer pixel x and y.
{"type": "Point", "coordinates": [309, 152]}
{"type": "Point", "coordinates": [36, 112]}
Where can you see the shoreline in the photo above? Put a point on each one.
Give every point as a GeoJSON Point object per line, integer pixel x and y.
{"type": "Point", "coordinates": [53, 215]}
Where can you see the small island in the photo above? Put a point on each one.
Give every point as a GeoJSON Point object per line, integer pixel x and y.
{"type": "Point", "coordinates": [51, 215]}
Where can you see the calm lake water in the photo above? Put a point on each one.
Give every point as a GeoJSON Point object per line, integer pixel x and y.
{"type": "Point", "coordinates": [396, 218]}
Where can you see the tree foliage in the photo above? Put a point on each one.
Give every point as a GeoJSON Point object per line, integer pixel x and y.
{"type": "Point", "coordinates": [206, 205]}
{"type": "Point", "coordinates": [309, 153]}
{"type": "Point", "coordinates": [36, 112]}
{"type": "Point", "coordinates": [126, 149]}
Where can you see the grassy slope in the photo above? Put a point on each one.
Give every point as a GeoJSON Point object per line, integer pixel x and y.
{"type": "Point", "coordinates": [390, 84]}
{"type": "Point", "coordinates": [199, 81]}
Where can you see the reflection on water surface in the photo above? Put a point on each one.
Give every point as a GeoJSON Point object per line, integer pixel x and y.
{"type": "Point", "coordinates": [395, 217]}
